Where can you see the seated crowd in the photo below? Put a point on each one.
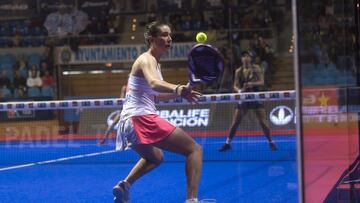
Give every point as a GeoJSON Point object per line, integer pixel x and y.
{"type": "Point", "coordinates": [25, 79]}
{"type": "Point", "coordinates": [21, 82]}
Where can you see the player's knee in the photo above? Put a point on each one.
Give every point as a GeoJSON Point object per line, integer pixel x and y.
{"type": "Point", "coordinates": [158, 161]}
{"type": "Point", "coordinates": [198, 149]}
{"type": "Point", "coordinates": [159, 158]}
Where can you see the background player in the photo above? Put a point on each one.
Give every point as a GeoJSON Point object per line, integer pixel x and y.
{"type": "Point", "coordinates": [248, 78]}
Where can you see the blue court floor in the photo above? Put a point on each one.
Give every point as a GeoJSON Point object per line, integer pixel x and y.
{"type": "Point", "coordinates": [82, 172]}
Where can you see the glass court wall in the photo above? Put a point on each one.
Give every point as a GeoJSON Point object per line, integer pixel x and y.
{"type": "Point", "coordinates": [328, 73]}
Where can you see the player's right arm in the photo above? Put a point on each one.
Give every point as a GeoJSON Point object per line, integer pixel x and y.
{"type": "Point", "coordinates": [236, 85]}
{"type": "Point", "coordinates": [146, 66]}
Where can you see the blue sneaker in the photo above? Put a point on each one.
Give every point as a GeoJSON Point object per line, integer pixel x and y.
{"type": "Point", "coordinates": [225, 147]}
{"type": "Point", "coordinates": [273, 146]}
{"type": "Point", "coordinates": [121, 192]}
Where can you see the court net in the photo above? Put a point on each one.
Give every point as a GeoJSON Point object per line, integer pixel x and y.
{"type": "Point", "coordinates": [68, 131]}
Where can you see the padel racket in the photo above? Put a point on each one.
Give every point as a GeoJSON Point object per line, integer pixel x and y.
{"type": "Point", "coordinates": [205, 64]}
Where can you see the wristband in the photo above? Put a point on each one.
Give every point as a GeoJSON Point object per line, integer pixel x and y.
{"type": "Point", "coordinates": [176, 89]}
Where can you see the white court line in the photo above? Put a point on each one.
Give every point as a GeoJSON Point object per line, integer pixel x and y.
{"type": "Point", "coordinates": [112, 151]}
{"type": "Point", "coordinates": [249, 141]}
{"type": "Point", "coordinates": [40, 145]}
{"type": "Point", "coordinates": [57, 160]}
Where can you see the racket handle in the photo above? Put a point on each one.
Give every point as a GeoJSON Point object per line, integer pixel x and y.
{"type": "Point", "coordinates": [189, 86]}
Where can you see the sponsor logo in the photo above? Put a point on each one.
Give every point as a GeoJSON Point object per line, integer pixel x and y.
{"type": "Point", "coordinates": [178, 100]}
{"type": "Point", "coordinates": [108, 103]}
{"type": "Point", "coordinates": [20, 106]}
{"type": "Point", "coordinates": [96, 103]}
{"type": "Point", "coordinates": [186, 117]}
{"type": "Point", "coordinates": [202, 99]}
{"type": "Point", "coordinates": [41, 105]}
{"type": "Point", "coordinates": [274, 95]}
{"type": "Point", "coordinates": [249, 97]}
{"type": "Point", "coordinates": [225, 98]}
{"type": "Point", "coordinates": [281, 115]}
{"type": "Point", "coordinates": [85, 103]}
{"type": "Point", "coordinates": [64, 104]}
{"type": "Point", "coordinates": [20, 114]}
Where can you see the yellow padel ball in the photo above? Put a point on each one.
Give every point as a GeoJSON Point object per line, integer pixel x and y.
{"type": "Point", "coordinates": [201, 37]}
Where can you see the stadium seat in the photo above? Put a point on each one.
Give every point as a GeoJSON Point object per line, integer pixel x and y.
{"type": "Point", "coordinates": [6, 92]}
{"type": "Point", "coordinates": [3, 42]}
{"type": "Point", "coordinates": [34, 92]}
{"type": "Point", "coordinates": [47, 91]}
{"type": "Point", "coordinates": [34, 58]}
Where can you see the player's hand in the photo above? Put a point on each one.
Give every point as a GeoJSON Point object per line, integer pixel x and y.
{"type": "Point", "coordinates": [189, 94]}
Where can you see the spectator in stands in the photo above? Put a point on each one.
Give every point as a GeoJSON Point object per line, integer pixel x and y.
{"type": "Point", "coordinates": [4, 80]}
{"type": "Point", "coordinates": [260, 46]}
{"type": "Point", "coordinates": [264, 67]}
{"type": "Point", "coordinates": [324, 56]}
{"type": "Point", "coordinates": [19, 93]}
{"type": "Point", "coordinates": [47, 79]}
{"type": "Point", "coordinates": [151, 15]}
{"type": "Point", "coordinates": [118, 24]}
{"type": "Point", "coordinates": [34, 80]}
{"type": "Point", "coordinates": [44, 68]}
{"type": "Point", "coordinates": [186, 22]}
{"type": "Point", "coordinates": [48, 55]}
{"type": "Point", "coordinates": [269, 57]}
{"type": "Point", "coordinates": [23, 68]}
{"type": "Point", "coordinates": [19, 81]}
{"type": "Point", "coordinates": [116, 6]}
{"type": "Point", "coordinates": [198, 21]}
{"type": "Point", "coordinates": [5, 92]}
{"type": "Point", "coordinates": [33, 67]}
{"type": "Point", "coordinates": [16, 40]}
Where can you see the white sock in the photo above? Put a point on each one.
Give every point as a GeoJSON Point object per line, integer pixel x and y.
{"type": "Point", "coordinates": [191, 200]}
{"type": "Point", "coordinates": [228, 140]}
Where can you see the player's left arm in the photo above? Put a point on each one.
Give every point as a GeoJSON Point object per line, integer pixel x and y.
{"type": "Point", "coordinates": [259, 75]}
{"type": "Point", "coordinates": [165, 96]}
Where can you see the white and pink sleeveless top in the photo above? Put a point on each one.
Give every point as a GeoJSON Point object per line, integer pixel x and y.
{"type": "Point", "coordinates": [139, 99]}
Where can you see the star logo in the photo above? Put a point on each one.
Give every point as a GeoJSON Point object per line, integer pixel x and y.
{"type": "Point", "coordinates": [323, 99]}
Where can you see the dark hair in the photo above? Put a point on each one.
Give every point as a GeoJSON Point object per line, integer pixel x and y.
{"type": "Point", "coordinates": [244, 53]}
{"type": "Point", "coordinates": [152, 30]}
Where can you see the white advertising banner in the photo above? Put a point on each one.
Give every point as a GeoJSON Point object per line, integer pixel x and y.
{"type": "Point", "coordinates": [117, 53]}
